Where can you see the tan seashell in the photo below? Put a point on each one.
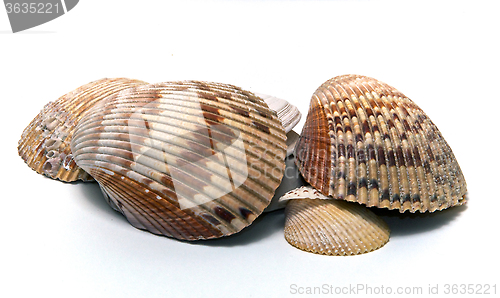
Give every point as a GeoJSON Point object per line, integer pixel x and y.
{"type": "Point", "coordinates": [364, 141]}
{"type": "Point", "coordinates": [190, 160]}
{"type": "Point", "coordinates": [321, 225]}
{"type": "Point", "coordinates": [288, 114]}
{"type": "Point", "coordinates": [44, 144]}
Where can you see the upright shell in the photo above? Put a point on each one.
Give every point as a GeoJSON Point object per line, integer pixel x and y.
{"type": "Point", "coordinates": [44, 144]}
{"type": "Point", "coordinates": [190, 160]}
{"type": "Point", "coordinates": [366, 142]}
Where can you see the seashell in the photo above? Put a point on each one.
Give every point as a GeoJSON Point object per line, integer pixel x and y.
{"type": "Point", "coordinates": [44, 144]}
{"type": "Point", "coordinates": [292, 138]}
{"type": "Point", "coordinates": [364, 141]}
{"type": "Point", "coordinates": [322, 225]}
{"type": "Point", "coordinates": [190, 160]}
{"type": "Point", "coordinates": [288, 114]}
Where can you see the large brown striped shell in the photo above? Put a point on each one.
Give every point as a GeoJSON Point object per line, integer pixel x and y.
{"type": "Point", "coordinates": [366, 142]}
{"type": "Point", "coordinates": [44, 144]}
{"type": "Point", "coordinates": [190, 160]}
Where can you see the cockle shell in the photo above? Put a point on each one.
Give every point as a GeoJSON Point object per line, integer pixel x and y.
{"type": "Point", "coordinates": [190, 160]}
{"type": "Point", "coordinates": [322, 225]}
{"type": "Point", "coordinates": [288, 114]}
{"type": "Point", "coordinates": [364, 141]}
{"type": "Point", "coordinates": [44, 144]}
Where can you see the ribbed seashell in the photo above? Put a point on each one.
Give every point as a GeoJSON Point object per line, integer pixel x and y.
{"type": "Point", "coordinates": [44, 144]}
{"type": "Point", "coordinates": [190, 160]}
{"type": "Point", "coordinates": [323, 225]}
{"type": "Point", "coordinates": [366, 142]}
{"type": "Point", "coordinates": [288, 114]}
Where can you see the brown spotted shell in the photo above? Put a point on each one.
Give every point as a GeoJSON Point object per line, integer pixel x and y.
{"type": "Point", "coordinates": [366, 142]}
{"type": "Point", "coordinates": [44, 144]}
{"type": "Point", "coordinates": [190, 160]}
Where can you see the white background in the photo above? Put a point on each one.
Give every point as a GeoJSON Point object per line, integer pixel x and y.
{"type": "Point", "coordinates": [63, 240]}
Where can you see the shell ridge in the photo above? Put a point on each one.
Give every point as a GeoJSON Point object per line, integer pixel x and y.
{"type": "Point", "coordinates": [136, 210]}
{"type": "Point", "coordinates": [335, 84]}
{"type": "Point", "coordinates": [414, 179]}
{"type": "Point", "coordinates": [140, 212]}
{"type": "Point", "coordinates": [97, 120]}
{"type": "Point", "coordinates": [324, 138]}
{"type": "Point", "coordinates": [161, 150]}
{"type": "Point", "coordinates": [436, 166]}
{"type": "Point", "coordinates": [386, 143]}
{"type": "Point", "coordinates": [226, 95]}
{"type": "Point", "coordinates": [365, 145]}
{"type": "Point", "coordinates": [131, 138]}
{"type": "Point", "coordinates": [155, 175]}
{"type": "Point", "coordinates": [396, 155]}
{"type": "Point", "coordinates": [90, 97]}
{"type": "Point", "coordinates": [389, 145]}
{"type": "Point", "coordinates": [147, 210]}
{"type": "Point", "coordinates": [349, 179]}
{"type": "Point", "coordinates": [331, 170]}
{"type": "Point", "coordinates": [422, 159]}
{"type": "Point", "coordinates": [401, 110]}
{"type": "Point", "coordinates": [371, 142]}
{"type": "Point", "coordinates": [445, 164]}
{"type": "Point", "coordinates": [388, 102]}
{"type": "Point", "coordinates": [167, 104]}
{"type": "Point", "coordinates": [329, 106]}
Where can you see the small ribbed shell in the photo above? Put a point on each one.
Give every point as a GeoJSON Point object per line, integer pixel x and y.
{"type": "Point", "coordinates": [190, 160]}
{"type": "Point", "coordinates": [321, 225]}
{"type": "Point", "coordinates": [366, 142]}
{"type": "Point", "coordinates": [288, 114]}
{"type": "Point", "coordinates": [45, 142]}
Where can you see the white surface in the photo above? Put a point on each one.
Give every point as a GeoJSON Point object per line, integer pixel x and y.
{"type": "Point", "coordinates": [63, 240]}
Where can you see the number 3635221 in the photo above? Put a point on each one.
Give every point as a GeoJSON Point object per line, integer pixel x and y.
{"type": "Point", "coordinates": [32, 8]}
